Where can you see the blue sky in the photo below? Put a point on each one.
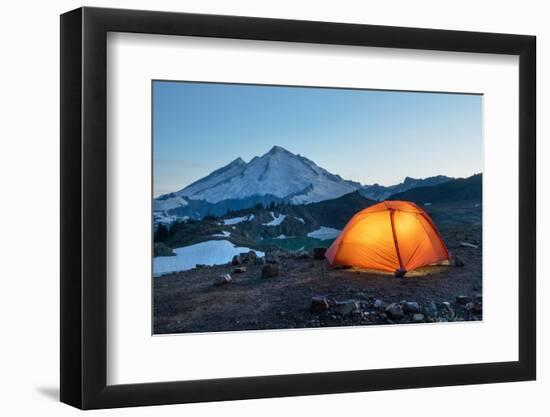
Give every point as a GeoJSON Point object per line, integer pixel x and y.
{"type": "Point", "coordinates": [368, 136]}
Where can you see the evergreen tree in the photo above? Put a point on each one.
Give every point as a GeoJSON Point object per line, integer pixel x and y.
{"type": "Point", "coordinates": [161, 233]}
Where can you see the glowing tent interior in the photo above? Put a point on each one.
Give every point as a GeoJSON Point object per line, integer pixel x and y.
{"type": "Point", "coordinates": [389, 236]}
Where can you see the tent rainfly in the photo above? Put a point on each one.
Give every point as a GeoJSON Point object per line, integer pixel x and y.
{"type": "Point", "coordinates": [395, 236]}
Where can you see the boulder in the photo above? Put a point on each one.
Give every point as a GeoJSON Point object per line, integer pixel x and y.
{"type": "Point", "coordinates": [411, 307]}
{"type": "Point", "coordinates": [463, 299]}
{"type": "Point", "coordinates": [430, 310]}
{"type": "Point", "coordinates": [237, 260]}
{"type": "Point", "coordinates": [319, 304]}
{"type": "Point", "coordinates": [446, 305]}
{"type": "Point", "coordinates": [475, 307]}
{"type": "Point", "coordinates": [319, 253]}
{"type": "Point", "coordinates": [345, 307]}
{"type": "Point", "coordinates": [270, 271]}
{"type": "Point", "coordinates": [240, 270]}
{"type": "Point", "coordinates": [251, 256]}
{"type": "Point", "coordinates": [222, 279]}
{"type": "Point", "coordinates": [447, 311]}
{"type": "Point", "coordinates": [394, 311]}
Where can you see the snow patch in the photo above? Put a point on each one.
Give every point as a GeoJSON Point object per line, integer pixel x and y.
{"type": "Point", "coordinates": [235, 220]}
{"type": "Point", "coordinates": [276, 220]}
{"type": "Point", "coordinates": [169, 203]}
{"type": "Point", "coordinates": [212, 252]}
{"type": "Point", "coordinates": [224, 233]}
{"type": "Point", "coordinates": [324, 233]}
{"type": "Point", "coordinates": [166, 219]}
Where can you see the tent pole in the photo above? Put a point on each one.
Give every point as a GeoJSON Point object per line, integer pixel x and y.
{"type": "Point", "coordinates": [395, 240]}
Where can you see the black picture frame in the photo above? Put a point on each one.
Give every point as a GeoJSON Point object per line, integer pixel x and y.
{"type": "Point", "coordinates": [84, 207]}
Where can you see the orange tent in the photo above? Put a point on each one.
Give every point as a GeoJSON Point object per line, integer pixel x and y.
{"type": "Point", "coordinates": [389, 236]}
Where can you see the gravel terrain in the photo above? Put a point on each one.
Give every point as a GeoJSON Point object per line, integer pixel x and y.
{"type": "Point", "coordinates": [302, 292]}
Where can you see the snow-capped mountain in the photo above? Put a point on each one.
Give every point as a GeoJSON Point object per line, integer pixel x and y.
{"type": "Point", "coordinates": [277, 173]}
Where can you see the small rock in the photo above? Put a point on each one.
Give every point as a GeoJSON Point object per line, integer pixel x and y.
{"type": "Point", "coordinates": [383, 316]}
{"type": "Point", "coordinates": [469, 306]}
{"type": "Point", "coordinates": [399, 273]}
{"type": "Point", "coordinates": [345, 307]}
{"type": "Point", "coordinates": [411, 307]}
{"type": "Point", "coordinates": [319, 253]}
{"type": "Point", "coordinates": [272, 258]}
{"type": "Point", "coordinates": [319, 304]}
{"type": "Point", "coordinates": [457, 262]}
{"type": "Point", "coordinates": [463, 299]}
{"type": "Point", "coordinates": [223, 279]}
{"type": "Point", "coordinates": [240, 270]}
{"type": "Point", "coordinates": [237, 260]}
{"type": "Point", "coordinates": [394, 311]}
{"type": "Point", "coordinates": [418, 317]}
{"type": "Point", "coordinates": [446, 305]}
{"type": "Point", "coordinates": [379, 304]}
{"type": "Point", "coordinates": [259, 261]}
{"type": "Point", "coordinates": [270, 271]}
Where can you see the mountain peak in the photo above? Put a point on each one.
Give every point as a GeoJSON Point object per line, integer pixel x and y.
{"type": "Point", "coordinates": [237, 161]}
{"type": "Point", "coordinates": [278, 149]}
{"type": "Point", "coordinates": [278, 173]}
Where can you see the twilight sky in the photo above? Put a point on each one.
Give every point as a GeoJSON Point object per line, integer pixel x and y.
{"type": "Point", "coordinates": [363, 135]}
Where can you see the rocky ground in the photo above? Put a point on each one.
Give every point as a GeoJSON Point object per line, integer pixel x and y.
{"type": "Point", "coordinates": [295, 290]}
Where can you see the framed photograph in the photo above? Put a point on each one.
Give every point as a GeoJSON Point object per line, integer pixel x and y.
{"type": "Point", "coordinates": [258, 207]}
